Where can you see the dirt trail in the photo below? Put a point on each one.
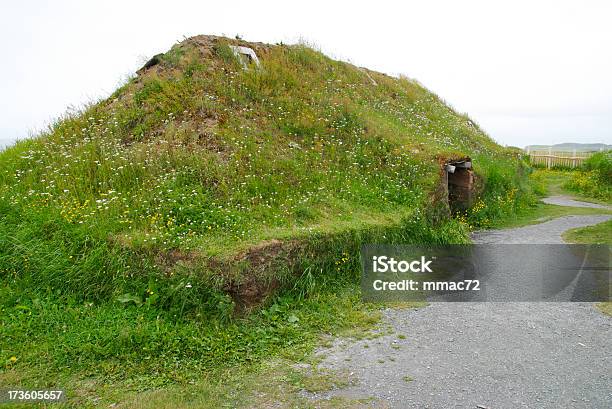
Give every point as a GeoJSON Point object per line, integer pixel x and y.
{"type": "Point", "coordinates": [491, 355]}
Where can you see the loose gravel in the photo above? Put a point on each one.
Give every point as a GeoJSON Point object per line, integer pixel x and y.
{"type": "Point", "coordinates": [486, 355]}
{"type": "Point", "coordinates": [568, 201]}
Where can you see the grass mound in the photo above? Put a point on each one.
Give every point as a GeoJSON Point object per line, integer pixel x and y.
{"type": "Point", "coordinates": [139, 224]}
{"type": "Point", "coordinates": [200, 163]}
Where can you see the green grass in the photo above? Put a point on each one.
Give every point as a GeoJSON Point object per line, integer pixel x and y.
{"type": "Point", "coordinates": [133, 348]}
{"type": "Point", "coordinates": [599, 234]}
{"type": "Point", "coordinates": [134, 232]}
{"type": "Point", "coordinates": [275, 385]}
{"type": "Point", "coordinates": [563, 182]}
{"type": "Point", "coordinates": [605, 307]}
{"type": "Point", "coordinates": [552, 182]}
{"type": "Point", "coordinates": [595, 178]}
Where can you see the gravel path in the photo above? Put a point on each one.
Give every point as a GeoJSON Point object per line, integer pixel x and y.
{"type": "Point", "coordinates": [569, 201]}
{"type": "Point", "coordinates": [549, 232]}
{"type": "Point", "coordinates": [486, 355]}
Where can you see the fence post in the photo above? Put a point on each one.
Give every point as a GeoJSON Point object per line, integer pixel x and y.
{"type": "Point", "coordinates": [574, 159]}
{"type": "Point", "coordinates": [549, 159]}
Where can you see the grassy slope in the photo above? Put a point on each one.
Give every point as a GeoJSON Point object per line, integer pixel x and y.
{"type": "Point", "coordinates": [193, 163]}
{"type": "Point", "coordinates": [204, 155]}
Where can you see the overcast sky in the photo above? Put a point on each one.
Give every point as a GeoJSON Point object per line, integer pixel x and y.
{"type": "Point", "coordinates": [527, 71]}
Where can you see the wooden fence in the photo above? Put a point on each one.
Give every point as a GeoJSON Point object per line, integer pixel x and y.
{"type": "Point", "coordinates": [551, 158]}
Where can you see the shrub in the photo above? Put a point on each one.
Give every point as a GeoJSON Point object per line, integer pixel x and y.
{"type": "Point", "coordinates": [601, 162]}
{"type": "Point", "coordinates": [595, 177]}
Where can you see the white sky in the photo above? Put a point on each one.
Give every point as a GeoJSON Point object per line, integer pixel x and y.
{"type": "Point", "coordinates": [528, 71]}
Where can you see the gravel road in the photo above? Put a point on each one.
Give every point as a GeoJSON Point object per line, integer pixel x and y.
{"type": "Point", "coordinates": [569, 201]}
{"type": "Point", "coordinates": [549, 232]}
{"type": "Point", "coordinates": [486, 355]}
